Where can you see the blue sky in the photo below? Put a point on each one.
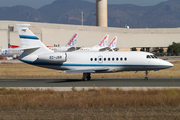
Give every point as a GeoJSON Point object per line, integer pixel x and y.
{"type": "Point", "coordinates": [40, 3]}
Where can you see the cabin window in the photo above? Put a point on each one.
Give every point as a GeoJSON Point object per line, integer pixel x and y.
{"type": "Point", "coordinates": [95, 59]}
{"type": "Point", "coordinates": [125, 59]}
{"type": "Point", "coordinates": [121, 59]}
{"type": "Point", "coordinates": [109, 59]}
{"type": "Point", "coordinates": [100, 59]}
{"type": "Point", "coordinates": [117, 59]}
{"type": "Point", "coordinates": [91, 59]}
{"type": "Point", "coordinates": [104, 59]}
{"type": "Point", "coordinates": [112, 59]}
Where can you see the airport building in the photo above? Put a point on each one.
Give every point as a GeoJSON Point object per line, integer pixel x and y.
{"type": "Point", "coordinates": [59, 34]}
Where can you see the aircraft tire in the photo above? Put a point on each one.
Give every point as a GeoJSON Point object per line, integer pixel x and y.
{"type": "Point", "coordinates": [89, 78]}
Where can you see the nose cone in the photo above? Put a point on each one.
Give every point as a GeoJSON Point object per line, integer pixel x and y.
{"type": "Point", "coordinates": [170, 64]}
{"type": "Point", "coordinates": [166, 64]}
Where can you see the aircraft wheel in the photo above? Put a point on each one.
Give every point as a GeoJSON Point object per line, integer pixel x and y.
{"type": "Point", "coordinates": [146, 78]}
{"type": "Point", "coordinates": [89, 78]}
{"type": "Point", "coordinates": [86, 76]}
{"type": "Point", "coordinates": [84, 79]}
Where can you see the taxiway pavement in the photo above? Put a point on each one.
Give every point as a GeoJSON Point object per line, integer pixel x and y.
{"type": "Point", "coordinates": [120, 82]}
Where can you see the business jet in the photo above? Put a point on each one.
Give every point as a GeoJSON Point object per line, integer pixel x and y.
{"type": "Point", "coordinates": [102, 46]}
{"type": "Point", "coordinates": [36, 53]}
{"type": "Point", "coordinates": [112, 44]}
{"type": "Point", "coordinates": [70, 46]}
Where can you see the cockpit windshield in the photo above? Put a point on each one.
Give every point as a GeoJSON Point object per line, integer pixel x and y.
{"type": "Point", "coordinates": [151, 57]}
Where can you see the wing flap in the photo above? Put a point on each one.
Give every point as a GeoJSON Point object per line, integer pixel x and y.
{"type": "Point", "coordinates": [80, 71]}
{"type": "Point", "coordinates": [86, 70]}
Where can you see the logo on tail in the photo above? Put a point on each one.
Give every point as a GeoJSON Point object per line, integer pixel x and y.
{"type": "Point", "coordinates": [112, 44]}
{"type": "Point", "coordinates": [104, 41]}
{"type": "Point", "coordinates": [73, 41]}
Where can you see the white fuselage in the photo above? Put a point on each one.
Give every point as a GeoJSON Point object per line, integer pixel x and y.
{"type": "Point", "coordinates": [113, 61]}
{"type": "Point", "coordinates": [93, 49]}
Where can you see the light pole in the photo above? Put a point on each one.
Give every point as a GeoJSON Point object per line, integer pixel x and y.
{"type": "Point", "coordinates": [94, 14]}
{"type": "Point", "coordinates": [82, 18]}
{"type": "Point", "coordinates": [10, 29]}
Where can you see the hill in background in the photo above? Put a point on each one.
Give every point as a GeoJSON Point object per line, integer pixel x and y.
{"type": "Point", "coordinates": [163, 15]}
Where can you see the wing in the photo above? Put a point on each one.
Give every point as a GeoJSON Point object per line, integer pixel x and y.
{"type": "Point", "coordinates": [86, 70]}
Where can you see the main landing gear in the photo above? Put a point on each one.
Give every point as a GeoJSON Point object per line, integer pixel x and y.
{"type": "Point", "coordinates": [146, 78]}
{"type": "Point", "coordinates": [86, 76]}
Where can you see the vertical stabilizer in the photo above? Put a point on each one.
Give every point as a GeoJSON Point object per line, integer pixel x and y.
{"type": "Point", "coordinates": [104, 41]}
{"type": "Point", "coordinates": [30, 41]}
{"type": "Point", "coordinates": [113, 43]}
{"type": "Point", "coordinates": [73, 41]}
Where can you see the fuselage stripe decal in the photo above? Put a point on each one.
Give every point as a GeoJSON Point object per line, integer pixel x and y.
{"type": "Point", "coordinates": [103, 65]}
{"type": "Point", "coordinates": [28, 37]}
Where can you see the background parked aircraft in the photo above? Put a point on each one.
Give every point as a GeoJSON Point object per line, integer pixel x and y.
{"type": "Point", "coordinates": [11, 52]}
{"type": "Point", "coordinates": [102, 46]}
{"type": "Point", "coordinates": [70, 46]}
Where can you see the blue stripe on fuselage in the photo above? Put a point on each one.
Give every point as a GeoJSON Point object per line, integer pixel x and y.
{"type": "Point", "coordinates": [28, 37]}
{"type": "Point", "coordinates": [97, 65]}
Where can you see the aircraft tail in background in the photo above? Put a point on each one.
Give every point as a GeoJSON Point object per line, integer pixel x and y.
{"type": "Point", "coordinates": [104, 41]}
{"type": "Point", "coordinates": [112, 44]}
{"type": "Point", "coordinates": [73, 41]}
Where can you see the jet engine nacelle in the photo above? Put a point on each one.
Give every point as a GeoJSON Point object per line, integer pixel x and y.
{"type": "Point", "coordinates": [53, 57]}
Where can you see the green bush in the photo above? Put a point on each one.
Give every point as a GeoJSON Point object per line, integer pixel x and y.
{"type": "Point", "coordinates": [174, 48]}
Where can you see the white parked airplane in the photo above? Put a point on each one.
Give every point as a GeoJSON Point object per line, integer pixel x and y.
{"type": "Point", "coordinates": [70, 46]}
{"type": "Point", "coordinates": [102, 46]}
{"type": "Point", "coordinates": [36, 53]}
{"type": "Point", "coordinates": [11, 52]}
{"type": "Point", "coordinates": [112, 44]}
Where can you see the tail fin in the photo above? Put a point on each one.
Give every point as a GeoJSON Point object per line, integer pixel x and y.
{"type": "Point", "coordinates": [73, 41]}
{"type": "Point", "coordinates": [104, 41]}
{"type": "Point", "coordinates": [112, 44]}
{"type": "Point", "coordinates": [30, 41]}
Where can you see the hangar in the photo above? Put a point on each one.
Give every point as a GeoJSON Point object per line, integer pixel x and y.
{"type": "Point", "coordinates": [59, 34]}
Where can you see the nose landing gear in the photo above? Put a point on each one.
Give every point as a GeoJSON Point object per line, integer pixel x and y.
{"type": "Point", "coordinates": [86, 76]}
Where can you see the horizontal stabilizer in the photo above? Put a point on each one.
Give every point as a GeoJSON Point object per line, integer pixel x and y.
{"type": "Point", "coordinates": [71, 49]}
{"type": "Point", "coordinates": [104, 49]}
{"type": "Point", "coordinates": [26, 48]}
{"type": "Point", "coordinates": [115, 49]}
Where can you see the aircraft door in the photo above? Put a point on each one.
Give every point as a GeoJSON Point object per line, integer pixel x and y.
{"type": "Point", "coordinates": [100, 59]}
